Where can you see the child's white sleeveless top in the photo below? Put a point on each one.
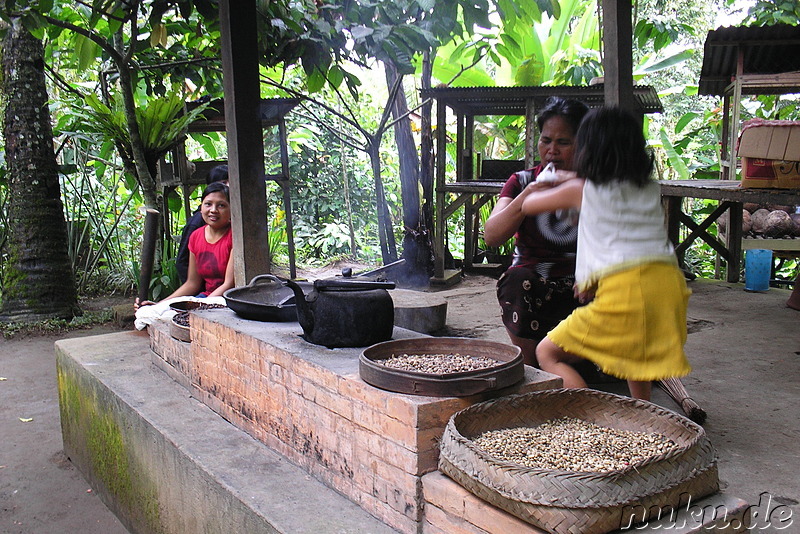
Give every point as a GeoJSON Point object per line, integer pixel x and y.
{"type": "Point", "coordinates": [621, 225]}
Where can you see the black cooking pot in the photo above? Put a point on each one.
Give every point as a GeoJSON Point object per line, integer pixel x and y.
{"type": "Point", "coordinates": [265, 298]}
{"type": "Point", "coordinates": [345, 312]}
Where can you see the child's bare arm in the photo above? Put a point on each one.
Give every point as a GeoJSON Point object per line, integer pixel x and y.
{"type": "Point", "coordinates": [564, 196]}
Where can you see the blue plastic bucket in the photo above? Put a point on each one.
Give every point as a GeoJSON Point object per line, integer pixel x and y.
{"type": "Point", "coordinates": [757, 269]}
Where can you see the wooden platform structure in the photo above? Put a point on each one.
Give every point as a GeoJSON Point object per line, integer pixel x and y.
{"type": "Point", "coordinates": [271, 113]}
{"type": "Point", "coordinates": [740, 62]}
{"type": "Point", "coordinates": [743, 61]}
{"type": "Point", "coordinates": [470, 187]}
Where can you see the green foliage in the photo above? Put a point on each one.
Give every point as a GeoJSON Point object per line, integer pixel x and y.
{"type": "Point", "coordinates": [541, 42]}
{"type": "Point", "coordinates": [768, 12]}
{"type": "Point", "coordinates": [507, 248]}
{"type": "Point", "coordinates": [162, 122]}
{"type": "Point", "coordinates": [278, 240]}
{"type": "Point", "coordinates": [659, 32]}
{"type": "Point", "coordinates": [319, 207]}
{"type": "Point", "coordinates": [56, 326]}
{"type": "Point", "coordinates": [165, 278]}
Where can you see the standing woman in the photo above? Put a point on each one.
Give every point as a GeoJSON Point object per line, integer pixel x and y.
{"type": "Point", "coordinates": [210, 260]}
{"type": "Point", "coordinates": [535, 293]}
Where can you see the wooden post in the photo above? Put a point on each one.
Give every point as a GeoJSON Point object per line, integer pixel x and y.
{"type": "Point", "coordinates": [531, 133]}
{"type": "Point", "coordinates": [618, 58]}
{"type": "Point", "coordinates": [149, 241]}
{"type": "Point", "coordinates": [287, 199]}
{"type": "Point", "coordinates": [441, 225]}
{"type": "Point", "coordinates": [244, 134]}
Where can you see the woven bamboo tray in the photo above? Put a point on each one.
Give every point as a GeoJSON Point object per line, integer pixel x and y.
{"type": "Point", "coordinates": [568, 502]}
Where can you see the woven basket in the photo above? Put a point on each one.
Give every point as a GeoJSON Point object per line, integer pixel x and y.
{"type": "Point", "coordinates": [567, 502]}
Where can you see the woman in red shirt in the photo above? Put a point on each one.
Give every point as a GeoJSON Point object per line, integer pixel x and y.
{"type": "Point", "coordinates": [210, 259]}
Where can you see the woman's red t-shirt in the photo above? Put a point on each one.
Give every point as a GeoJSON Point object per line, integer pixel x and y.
{"type": "Point", "coordinates": [211, 260]}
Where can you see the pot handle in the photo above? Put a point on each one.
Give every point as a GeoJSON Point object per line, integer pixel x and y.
{"type": "Point", "coordinates": [467, 386]}
{"type": "Point", "coordinates": [265, 279]}
{"type": "Point", "coordinates": [351, 283]}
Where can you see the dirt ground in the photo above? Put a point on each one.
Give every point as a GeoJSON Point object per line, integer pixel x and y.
{"type": "Point", "coordinates": [41, 492]}
{"type": "Point", "coordinates": [745, 349]}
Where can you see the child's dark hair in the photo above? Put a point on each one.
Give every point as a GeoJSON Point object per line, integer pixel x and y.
{"type": "Point", "coordinates": [570, 110]}
{"type": "Point", "coordinates": [217, 174]}
{"type": "Point", "coordinates": [216, 187]}
{"type": "Point", "coordinates": [610, 146]}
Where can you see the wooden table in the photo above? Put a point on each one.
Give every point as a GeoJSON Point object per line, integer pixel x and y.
{"type": "Point", "coordinates": [731, 198]}
{"type": "Point", "coordinates": [728, 192]}
{"type": "Point", "coordinates": [472, 195]}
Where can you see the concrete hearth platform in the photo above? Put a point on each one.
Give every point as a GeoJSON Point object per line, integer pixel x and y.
{"type": "Point", "coordinates": [309, 404]}
{"type": "Point", "coordinates": [164, 462]}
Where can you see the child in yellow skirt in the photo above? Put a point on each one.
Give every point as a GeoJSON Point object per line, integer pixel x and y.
{"type": "Point", "coordinates": [634, 326]}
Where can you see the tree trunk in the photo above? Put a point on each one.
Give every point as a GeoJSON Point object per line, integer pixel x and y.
{"type": "Point", "coordinates": [385, 232]}
{"type": "Point", "coordinates": [38, 282]}
{"type": "Point", "coordinates": [416, 247]}
{"type": "Point", "coordinates": [407, 151]}
{"type": "Point", "coordinates": [427, 158]}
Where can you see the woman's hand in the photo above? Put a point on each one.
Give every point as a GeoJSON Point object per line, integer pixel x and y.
{"type": "Point", "coordinates": [137, 304]}
{"type": "Point", "coordinates": [553, 179]}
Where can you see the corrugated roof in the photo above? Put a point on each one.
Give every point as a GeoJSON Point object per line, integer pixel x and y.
{"type": "Point", "coordinates": [512, 100]}
{"type": "Point", "coordinates": [766, 50]}
{"type": "Point", "coordinates": [213, 118]}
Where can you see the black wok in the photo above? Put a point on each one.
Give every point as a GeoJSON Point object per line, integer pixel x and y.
{"type": "Point", "coordinates": [265, 298]}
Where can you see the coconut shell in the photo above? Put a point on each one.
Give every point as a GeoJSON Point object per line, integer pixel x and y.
{"type": "Point", "coordinates": [759, 219]}
{"type": "Point", "coordinates": [751, 206]}
{"type": "Point", "coordinates": [796, 220]}
{"type": "Point", "coordinates": [779, 224]}
{"type": "Point", "coordinates": [774, 207]}
{"type": "Point", "coordinates": [722, 222]}
{"type": "Point", "coordinates": [747, 221]}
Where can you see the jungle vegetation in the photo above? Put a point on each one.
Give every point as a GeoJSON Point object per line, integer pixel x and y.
{"type": "Point", "coordinates": [118, 74]}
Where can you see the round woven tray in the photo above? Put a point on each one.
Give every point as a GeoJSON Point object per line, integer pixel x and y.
{"type": "Point", "coordinates": [568, 502]}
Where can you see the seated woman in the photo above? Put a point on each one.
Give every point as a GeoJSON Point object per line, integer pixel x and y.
{"type": "Point", "coordinates": [210, 259]}
{"type": "Point", "coordinates": [535, 294]}
{"type": "Point", "coordinates": [217, 174]}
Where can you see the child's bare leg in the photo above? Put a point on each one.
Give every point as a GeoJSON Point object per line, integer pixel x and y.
{"type": "Point", "coordinates": [553, 359]}
{"type": "Point", "coordinates": [528, 347]}
{"type": "Point", "coordinates": [640, 390]}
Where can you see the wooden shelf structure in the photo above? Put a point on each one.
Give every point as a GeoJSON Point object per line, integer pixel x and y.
{"type": "Point", "coordinates": [468, 187]}
{"type": "Point", "coordinates": [731, 197]}
{"type": "Point", "coordinates": [747, 61]}
{"type": "Point", "coordinates": [740, 62]}
{"type": "Point", "coordinates": [188, 175]}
